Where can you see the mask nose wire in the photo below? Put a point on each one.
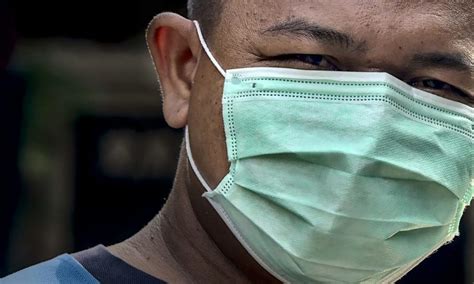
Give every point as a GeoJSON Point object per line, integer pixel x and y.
{"type": "Point", "coordinates": [208, 51]}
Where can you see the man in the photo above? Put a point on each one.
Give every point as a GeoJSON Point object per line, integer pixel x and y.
{"type": "Point", "coordinates": [290, 175]}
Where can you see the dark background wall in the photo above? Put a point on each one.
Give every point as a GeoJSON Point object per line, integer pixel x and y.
{"type": "Point", "coordinates": [103, 21]}
{"type": "Point", "coordinates": [86, 155]}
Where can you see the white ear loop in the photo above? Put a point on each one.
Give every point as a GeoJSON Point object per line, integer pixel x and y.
{"type": "Point", "coordinates": [207, 50]}
{"type": "Point", "coordinates": [193, 164]}
{"type": "Point", "coordinates": [188, 144]}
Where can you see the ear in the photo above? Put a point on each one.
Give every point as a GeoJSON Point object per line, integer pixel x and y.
{"type": "Point", "coordinates": [175, 49]}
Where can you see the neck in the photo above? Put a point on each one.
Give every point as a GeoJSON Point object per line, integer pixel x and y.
{"type": "Point", "coordinates": [174, 247]}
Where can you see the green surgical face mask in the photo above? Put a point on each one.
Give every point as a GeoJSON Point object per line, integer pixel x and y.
{"type": "Point", "coordinates": [340, 176]}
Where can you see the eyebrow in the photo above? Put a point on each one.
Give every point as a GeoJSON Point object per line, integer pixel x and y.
{"type": "Point", "coordinates": [302, 28]}
{"type": "Point", "coordinates": [312, 31]}
{"type": "Point", "coordinates": [455, 61]}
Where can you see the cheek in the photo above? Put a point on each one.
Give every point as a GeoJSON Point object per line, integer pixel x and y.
{"type": "Point", "coordinates": [206, 127]}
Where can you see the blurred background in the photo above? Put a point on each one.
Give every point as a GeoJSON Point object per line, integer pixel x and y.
{"type": "Point", "coordinates": [86, 155]}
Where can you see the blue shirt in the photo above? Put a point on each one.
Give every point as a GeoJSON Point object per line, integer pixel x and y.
{"type": "Point", "coordinates": [60, 270]}
{"type": "Point", "coordinates": [96, 265]}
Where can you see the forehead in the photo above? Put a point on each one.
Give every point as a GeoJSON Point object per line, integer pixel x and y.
{"type": "Point", "coordinates": [380, 16]}
{"type": "Point", "coordinates": [380, 26]}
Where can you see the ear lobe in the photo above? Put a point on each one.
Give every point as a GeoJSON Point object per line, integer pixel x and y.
{"type": "Point", "coordinates": [174, 49]}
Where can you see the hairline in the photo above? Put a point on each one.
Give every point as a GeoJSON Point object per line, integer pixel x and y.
{"type": "Point", "coordinates": [209, 19]}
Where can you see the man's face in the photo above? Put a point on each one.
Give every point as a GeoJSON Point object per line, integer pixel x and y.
{"type": "Point", "coordinates": [429, 46]}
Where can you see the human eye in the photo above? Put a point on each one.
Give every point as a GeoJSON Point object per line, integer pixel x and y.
{"type": "Point", "coordinates": [442, 89]}
{"type": "Point", "coordinates": [307, 61]}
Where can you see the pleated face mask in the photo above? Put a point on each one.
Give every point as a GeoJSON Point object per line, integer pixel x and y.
{"type": "Point", "coordinates": [343, 177]}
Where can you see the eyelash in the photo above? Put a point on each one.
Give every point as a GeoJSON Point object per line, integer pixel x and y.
{"type": "Point", "coordinates": [426, 84]}
{"type": "Point", "coordinates": [437, 85]}
{"type": "Point", "coordinates": [309, 59]}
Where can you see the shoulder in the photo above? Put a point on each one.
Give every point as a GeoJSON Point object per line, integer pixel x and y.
{"type": "Point", "coordinates": [62, 269]}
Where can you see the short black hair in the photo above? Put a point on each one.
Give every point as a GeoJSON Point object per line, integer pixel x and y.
{"type": "Point", "coordinates": [207, 13]}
